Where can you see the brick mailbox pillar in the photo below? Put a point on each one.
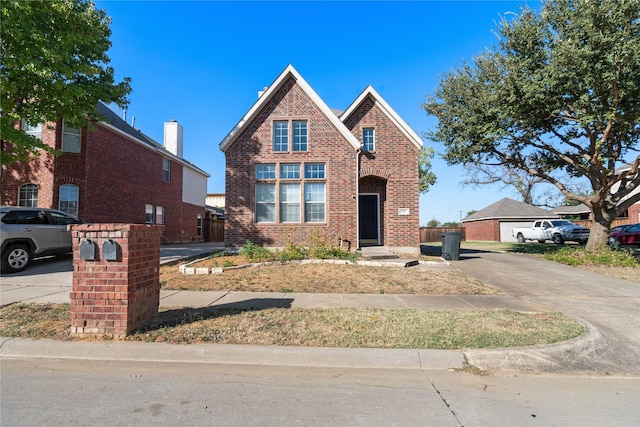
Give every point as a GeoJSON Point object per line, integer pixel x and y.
{"type": "Point", "coordinates": [116, 278]}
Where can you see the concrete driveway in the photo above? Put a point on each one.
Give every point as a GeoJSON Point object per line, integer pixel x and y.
{"type": "Point", "coordinates": [609, 308]}
{"type": "Point", "coordinates": [49, 279]}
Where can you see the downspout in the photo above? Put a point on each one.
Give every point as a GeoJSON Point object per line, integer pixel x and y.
{"type": "Point", "coordinates": [357, 197]}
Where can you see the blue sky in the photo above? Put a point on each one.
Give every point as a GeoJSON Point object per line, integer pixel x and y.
{"type": "Point", "coordinates": [202, 63]}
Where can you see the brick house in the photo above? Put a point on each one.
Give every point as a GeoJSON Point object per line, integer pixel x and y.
{"type": "Point", "coordinates": [495, 222]}
{"type": "Point", "coordinates": [112, 173]}
{"type": "Point", "coordinates": [296, 169]}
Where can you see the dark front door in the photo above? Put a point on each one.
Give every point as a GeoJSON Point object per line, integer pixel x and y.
{"type": "Point", "coordinates": [368, 220]}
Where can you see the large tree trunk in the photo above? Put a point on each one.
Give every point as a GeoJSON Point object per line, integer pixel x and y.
{"type": "Point", "coordinates": [598, 236]}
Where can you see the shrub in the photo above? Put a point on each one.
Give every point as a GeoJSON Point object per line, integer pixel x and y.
{"type": "Point", "coordinates": [603, 256]}
{"type": "Point", "coordinates": [255, 253]}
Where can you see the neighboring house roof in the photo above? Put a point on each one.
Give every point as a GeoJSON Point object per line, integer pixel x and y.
{"type": "Point", "coordinates": [370, 92]}
{"type": "Point", "coordinates": [115, 123]}
{"type": "Point", "coordinates": [219, 212]}
{"type": "Point", "coordinates": [331, 114]}
{"type": "Point", "coordinates": [571, 210]}
{"type": "Point", "coordinates": [510, 209]}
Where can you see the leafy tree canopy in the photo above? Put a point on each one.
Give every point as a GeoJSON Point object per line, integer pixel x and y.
{"type": "Point", "coordinates": [426, 177]}
{"type": "Point", "coordinates": [53, 65]}
{"type": "Point", "coordinates": [558, 98]}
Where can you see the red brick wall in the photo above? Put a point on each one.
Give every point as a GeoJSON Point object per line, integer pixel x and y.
{"type": "Point", "coordinates": [325, 145]}
{"type": "Point", "coordinates": [486, 230]}
{"type": "Point", "coordinates": [116, 178]}
{"type": "Point", "coordinates": [634, 214]}
{"type": "Point", "coordinates": [395, 159]}
{"type": "Point", "coordinates": [115, 297]}
{"type": "Point", "coordinates": [44, 171]}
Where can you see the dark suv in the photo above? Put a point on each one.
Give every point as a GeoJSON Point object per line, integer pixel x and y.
{"type": "Point", "coordinates": [28, 232]}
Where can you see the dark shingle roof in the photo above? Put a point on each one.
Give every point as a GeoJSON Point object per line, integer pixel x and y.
{"type": "Point", "coordinates": [510, 209]}
{"type": "Point", "coordinates": [114, 120]}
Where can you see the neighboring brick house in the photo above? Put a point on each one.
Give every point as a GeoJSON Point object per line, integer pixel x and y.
{"type": "Point", "coordinates": [495, 222]}
{"type": "Point", "coordinates": [296, 170]}
{"type": "Point", "coordinates": [112, 173]}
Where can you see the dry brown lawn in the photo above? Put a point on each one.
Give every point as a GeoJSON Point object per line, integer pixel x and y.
{"type": "Point", "coordinates": [325, 278]}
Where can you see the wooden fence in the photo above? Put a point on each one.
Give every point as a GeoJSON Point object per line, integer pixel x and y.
{"type": "Point", "coordinates": [216, 231]}
{"type": "Point", "coordinates": [434, 234]}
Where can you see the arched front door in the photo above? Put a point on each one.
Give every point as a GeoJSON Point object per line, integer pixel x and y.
{"type": "Point", "coordinates": [369, 219]}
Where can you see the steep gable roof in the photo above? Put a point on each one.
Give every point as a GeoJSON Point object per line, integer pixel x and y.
{"type": "Point", "coordinates": [370, 92]}
{"type": "Point", "coordinates": [510, 209]}
{"type": "Point", "coordinates": [288, 72]}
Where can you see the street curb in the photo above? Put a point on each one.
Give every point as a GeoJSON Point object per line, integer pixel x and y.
{"type": "Point", "coordinates": [564, 356]}
{"type": "Point", "coordinates": [232, 354]}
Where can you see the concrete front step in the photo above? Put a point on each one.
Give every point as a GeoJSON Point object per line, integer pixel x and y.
{"type": "Point", "coordinates": [377, 252]}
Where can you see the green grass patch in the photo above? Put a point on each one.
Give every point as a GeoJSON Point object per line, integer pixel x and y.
{"type": "Point", "coordinates": [605, 256]}
{"type": "Point", "coordinates": [356, 328]}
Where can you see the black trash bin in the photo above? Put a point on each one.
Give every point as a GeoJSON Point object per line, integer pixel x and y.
{"type": "Point", "coordinates": [451, 245]}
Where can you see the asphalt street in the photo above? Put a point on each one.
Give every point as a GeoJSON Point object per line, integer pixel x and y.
{"type": "Point", "coordinates": [48, 392]}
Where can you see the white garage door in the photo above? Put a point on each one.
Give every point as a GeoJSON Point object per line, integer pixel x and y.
{"type": "Point", "coordinates": [506, 227]}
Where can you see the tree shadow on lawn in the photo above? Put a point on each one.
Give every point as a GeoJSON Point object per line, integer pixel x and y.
{"type": "Point", "coordinates": [182, 316]}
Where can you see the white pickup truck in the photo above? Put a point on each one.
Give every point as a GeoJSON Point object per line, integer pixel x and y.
{"type": "Point", "coordinates": [558, 230]}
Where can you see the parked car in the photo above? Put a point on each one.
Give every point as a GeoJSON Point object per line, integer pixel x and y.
{"type": "Point", "coordinates": [625, 235]}
{"type": "Point", "coordinates": [27, 232]}
{"type": "Point", "coordinates": [556, 230]}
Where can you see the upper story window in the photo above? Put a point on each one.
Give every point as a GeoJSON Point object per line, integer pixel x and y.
{"type": "Point", "coordinates": [70, 138]}
{"type": "Point", "coordinates": [266, 171]}
{"type": "Point", "coordinates": [28, 195]}
{"type": "Point", "coordinates": [281, 136]}
{"type": "Point", "coordinates": [166, 170]}
{"type": "Point", "coordinates": [69, 199]}
{"type": "Point", "coordinates": [368, 139]}
{"type": "Point", "coordinates": [297, 128]}
{"type": "Point", "coordinates": [300, 135]}
{"type": "Point", "coordinates": [33, 130]}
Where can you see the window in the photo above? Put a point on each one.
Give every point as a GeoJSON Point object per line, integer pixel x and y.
{"type": "Point", "coordinates": [290, 171]}
{"type": "Point", "coordinates": [314, 202]}
{"type": "Point", "coordinates": [281, 136]}
{"type": "Point", "coordinates": [265, 203]}
{"type": "Point", "coordinates": [299, 135]}
{"type": "Point", "coordinates": [267, 171]}
{"type": "Point", "coordinates": [148, 214]}
{"type": "Point", "coordinates": [290, 202]}
{"type": "Point", "coordinates": [70, 138]}
{"type": "Point", "coordinates": [159, 215]}
{"type": "Point", "coordinates": [368, 139]}
{"type": "Point", "coordinates": [166, 170]}
{"type": "Point", "coordinates": [285, 205]}
{"type": "Point", "coordinates": [28, 195]}
{"type": "Point", "coordinates": [32, 130]}
{"type": "Point", "coordinates": [199, 233]}
{"type": "Point", "coordinates": [314, 171]}
{"type": "Point", "coordinates": [69, 199]}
